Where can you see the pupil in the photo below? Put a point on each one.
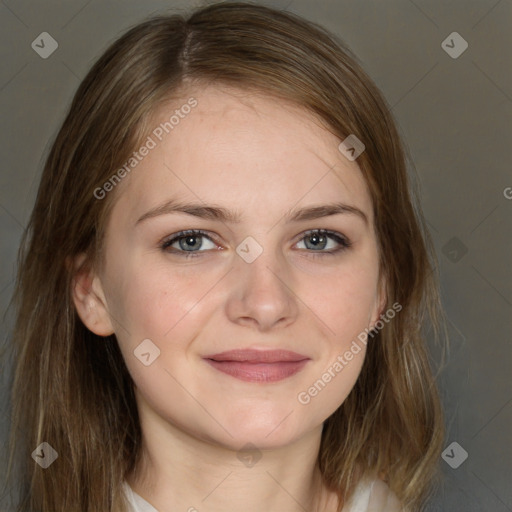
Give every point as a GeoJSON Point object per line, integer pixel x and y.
{"type": "Point", "coordinates": [190, 241]}
{"type": "Point", "coordinates": [316, 239]}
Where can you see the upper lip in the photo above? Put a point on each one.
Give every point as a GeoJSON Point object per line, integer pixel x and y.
{"type": "Point", "coordinates": [258, 356]}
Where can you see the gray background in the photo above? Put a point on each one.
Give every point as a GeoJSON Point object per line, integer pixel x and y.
{"type": "Point", "coordinates": [455, 116]}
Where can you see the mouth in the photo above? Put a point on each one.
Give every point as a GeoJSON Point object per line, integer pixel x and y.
{"type": "Point", "coordinates": [258, 365]}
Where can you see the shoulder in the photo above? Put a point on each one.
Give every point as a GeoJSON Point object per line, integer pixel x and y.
{"type": "Point", "coordinates": [130, 497]}
{"type": "Point", "coordinates": [382, 498]}
{"type": "Point", "coordinates": [136, 503]}
{"type": "Point", "coordinates": [373, 495]}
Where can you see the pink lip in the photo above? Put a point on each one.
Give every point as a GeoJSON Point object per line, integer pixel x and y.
{"type": "Point", "coordinates": [258, 365]}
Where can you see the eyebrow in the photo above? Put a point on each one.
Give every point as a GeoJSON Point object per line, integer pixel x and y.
{"type": "Point", "coordinates": [217, 213]}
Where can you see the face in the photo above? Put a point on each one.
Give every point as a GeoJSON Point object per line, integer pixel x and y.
{"type": "Point", "coordinates": [255, 275]}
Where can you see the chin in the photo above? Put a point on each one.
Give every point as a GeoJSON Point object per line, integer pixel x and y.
{"type": "Point", "coordinates": [263, 434]}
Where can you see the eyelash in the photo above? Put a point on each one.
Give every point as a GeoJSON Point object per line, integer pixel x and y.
{"type": "Point", "coordinates": [337, 237]}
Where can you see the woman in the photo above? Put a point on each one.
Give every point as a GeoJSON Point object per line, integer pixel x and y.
{"type": "Point", "coordinates": [281, 366]}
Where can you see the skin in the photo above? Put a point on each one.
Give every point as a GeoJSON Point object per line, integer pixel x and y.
{"type": "Point", "coordinates": [261, 158]}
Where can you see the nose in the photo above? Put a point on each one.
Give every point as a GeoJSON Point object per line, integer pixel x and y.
{"type": "Point", "coordinates": [261, 292]}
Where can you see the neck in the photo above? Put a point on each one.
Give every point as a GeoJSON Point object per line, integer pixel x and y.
{"type": "Point", "coordinates": [177, 471]}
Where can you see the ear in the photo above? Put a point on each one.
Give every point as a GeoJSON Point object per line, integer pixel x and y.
{"type": "Point", "coordinates": [380, 302]}
{"type": "Point", "coordinates": [89, 298]}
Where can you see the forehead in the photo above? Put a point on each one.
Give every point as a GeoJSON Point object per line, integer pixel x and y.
{"type": "Point", "coordinates": [240, 149]}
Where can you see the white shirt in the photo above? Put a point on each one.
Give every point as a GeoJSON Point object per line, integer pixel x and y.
{"type": "Point", "coordinates": [371, 495]}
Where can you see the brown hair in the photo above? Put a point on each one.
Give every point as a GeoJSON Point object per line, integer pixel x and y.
{"type": "Point", "coordinates": [76, 393]}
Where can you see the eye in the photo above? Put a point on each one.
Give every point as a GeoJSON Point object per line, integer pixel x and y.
{"type": "Point", "coordinates": [317, 240]}
{"type": "Point", "coordinates": [186, 243]}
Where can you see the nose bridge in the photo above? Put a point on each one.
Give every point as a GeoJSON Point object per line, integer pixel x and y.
{"type": "Point", "coordinates": [261, 265]}
{"type": "Point", "coordinates": [261, 289]}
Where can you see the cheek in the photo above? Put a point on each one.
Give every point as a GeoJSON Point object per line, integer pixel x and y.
{"type": "Point", "coordinates": [164, 308]}
{"type": "Point", "coordinates": [153, 300]}
{"type": "Point", "coordinates": [346, 300]}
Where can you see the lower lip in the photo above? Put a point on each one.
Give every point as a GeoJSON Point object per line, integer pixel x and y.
{"type": "Point", "coordinates": [258, 372]}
